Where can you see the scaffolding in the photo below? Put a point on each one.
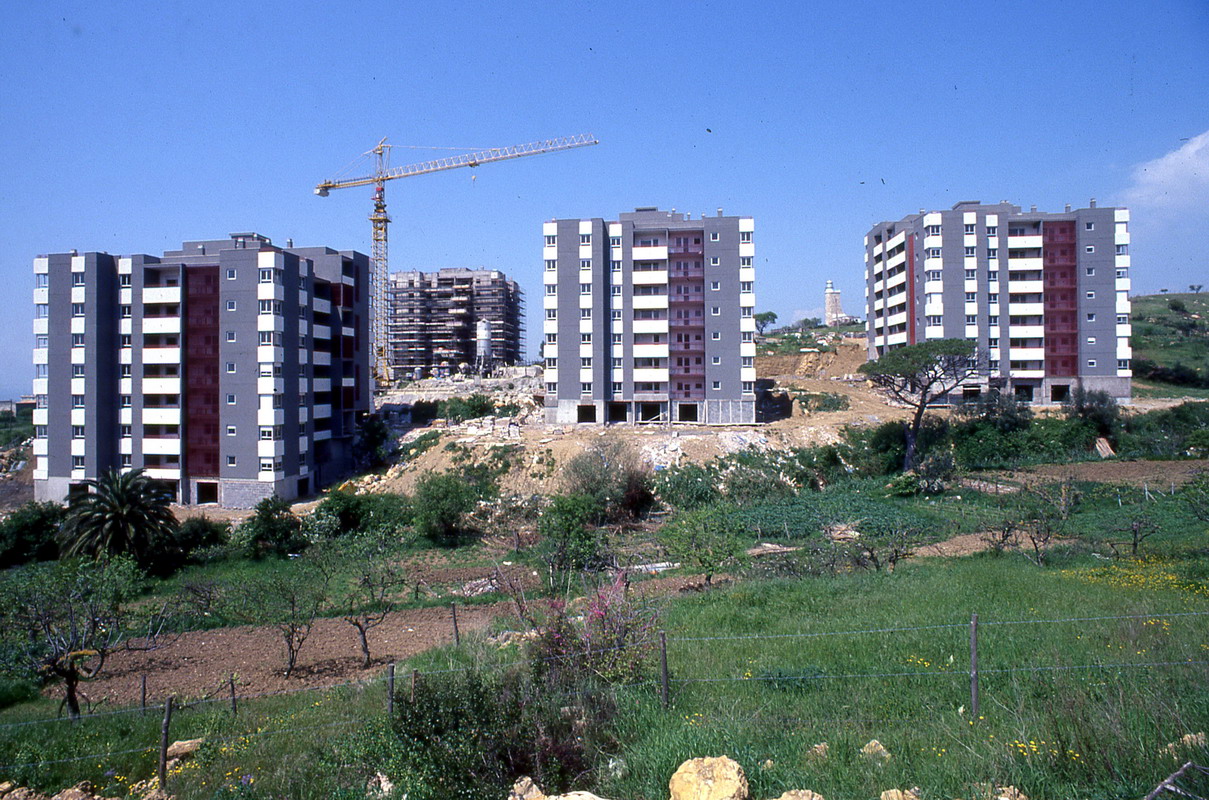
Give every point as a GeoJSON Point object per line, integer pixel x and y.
{"type": "Point", "coordinates": [433, 321]}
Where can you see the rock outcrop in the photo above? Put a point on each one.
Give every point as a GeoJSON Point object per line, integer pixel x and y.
{"type": "Point", "coordinates": [718, 778]}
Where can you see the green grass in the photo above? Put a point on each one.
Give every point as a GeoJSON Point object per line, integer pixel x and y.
{"type": "Point", "coordinates": [16, 428]}
{"type": "Point", "coordinates": [1168, 337]}
{"type": "Point", "coordinates": [1145, 389]}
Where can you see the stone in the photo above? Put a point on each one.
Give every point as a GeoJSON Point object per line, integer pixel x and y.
{"type": "Point", "coordinates": [718, 778]}
{"type": "Point", "coordinates": [7, 787]}
{"type": "Point", "coordinates": [84, 790]}
{"type": "Point", "coordinates": [899, 794]}
{"type": "Point", "coordinates": [875, 752]}
{"type": "Point", "coordinates": [379, 786]}
{"type": "Point", "coordinates": [800, 794]}
{"type": "Point", "coordinates": [526, 789]}
{"type": "Point", "coordinates": [184, 748]}
{"type": "Point", "coordinates": [1009, 793]}
{"type": "Point", "coordinates": [819, 752]}
{"type": "Point", "coordinates": [1185, 742]}
{"type": "Point", "coordinates": [25, 793]}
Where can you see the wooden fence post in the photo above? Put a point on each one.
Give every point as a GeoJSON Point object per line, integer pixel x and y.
{"type": "Point", "coordinates": [143, 694]}
{"type": "Point", "coordinates": [457, 637]}
{"type": "Point", "coordinates": [231, 683]}
{"type": "Point", "coordinates": [162, 772]}
{"type": "Point", "coordinates": [974, 666]}
{"type": "Point", "coordinates": [663, 668]}
{"type": "Point", "coordinates": [390, 690]}
{"type": "Point", "coordinates": [415, 676]}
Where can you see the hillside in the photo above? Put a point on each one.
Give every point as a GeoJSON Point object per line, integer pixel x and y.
{"type": "Point", "coordinates": [1171, 340]}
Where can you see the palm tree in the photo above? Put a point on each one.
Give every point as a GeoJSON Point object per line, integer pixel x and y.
{"type": "Point", "coordinates": [123, 512]}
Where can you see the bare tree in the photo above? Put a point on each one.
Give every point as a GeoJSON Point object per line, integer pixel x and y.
{"type": "Point", "coordinates": [918, 375]}
{"type": "Point", "coordinates": [1140, 527]}
{"type": "Point", "coordinates": [377, 579]}
{"type": "Point", "coordinates": [289, 599]}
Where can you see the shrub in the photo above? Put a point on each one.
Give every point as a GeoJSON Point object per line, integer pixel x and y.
{"type": "Point", "coordinates": [611, 474]}
{"type": "Point", "coordinates": [687, 487]}
{"type": "Point", "coordinates": [271, 530]}
{"type": "Point", "coordinates": [373, 446]}
{"type": "Point", "coordinates": [708, 539]}
{"type": "Point", "coordinates": [363, 513]}
{"type": "Point", "coordinates": [29, 534]}
{"type": "Point", "coordinates": [570, 539]}
{"type": "Point", "coordinates": [442, 502]}
{"type": "Point", "coordinates": [1097, 408]}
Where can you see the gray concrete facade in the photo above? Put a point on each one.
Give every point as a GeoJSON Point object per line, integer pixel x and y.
{"type": "Point", "coordinates": [649, 319]}
{"type": "Point", "coordinates": [231, 370]}
{"type": "Point", "coordinates": [1044, 295]}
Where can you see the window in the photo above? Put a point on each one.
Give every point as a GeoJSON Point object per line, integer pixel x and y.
{"type": "Point", "coordinates": [971, 319]}
{"type": "Point", "coordinates": [971, 274]}
{"type": "Point", "coordinates": [266, 465]}
{"type": "Point", "coordinates": [992, 252]}
{"type": "Point", "coordinates": [715, 311]}
{"type": "Point", "coordinates": [993, 275]}
{"type": "Point", "coordinates": [77, 279]}
{"type": "Point", "coordinates": [1122, 363]}
{"type": "Point", "coordinates": [746, 311]}
{"type": "Point", "coordinates": [713, 237]}
{"type": "Point", "coordinates": [551, 290]}
{"type": "Point", "coordinates": [40, 401]}
{"type": "Point", "coordinates": [747, 361]}
{"type": "Point", "coordinates": [41, 370]}
{"type": "Point", "coordinates": [77, 401]}
{"type": "Point", "coordinates": [616, 338]}
{"type": "Point", "coordinates": [124, 372]}
{"type": "Point", "coordinates": [1123, 273]}
{"type": "Point", "coordinates": [717, 385]}
{"type": "Point", "coordinates": [715, 335]}
{"type": "Point", "coordinates": [934, 321]}
{"type": "Point", "coordinates": [41, 280]}
{"type": "Point", "coordinates": [715, 285]}
{"type": "Point", "coordinates": [77, 310]}
{"type": "Point", "coordinates": [1090, 270]}
{"type": "Point", "coordinates": [745, 261]}
{"type": "Point", "coordinates": [230, 430]}
{"type": "Point", "coordinates": [124, 280]}
{"type": "Point", "coordinates": [551, 338]}
{"type": "Point", "coordinates": [551, 265]}
{"type": "Point", "coordinates": [551, 240]}
{"type": "Point", "coordinates": [969, 228]}
{"type": "Point", "coordinates": [230, 367]}
{"type": "Point", "coordinates": [1091, 226]}
{"type": "Point", "coordinates": [231, 461]}
{"type": "Point", "coordinates": [971, 252]}
{"type": "Point", "coordinates": [1122, 249]}
{"type": "Point", "coordinates": [616, 363]}
{"type": "Point", "coordinates": [230, 336]}
{"type": "Point", "coordinates": [585, 263]}
{"type": "Point", "coordinates": [745, 287]}
{"type": "Point", "coordinates": [586, 288]}
{"type": "Point", "coordinates": [266, 337]}
{"type": "Point", "coordinates": [615, 314]}
{"type": "Point", "coordinates": [41, 341]}
{"type": "Point", "coordinates": [993, 297]}
{"type": "Point", "coordinates": [585, 338]}
{"type": "Point", "coordinates": [551, 313]}
{"type": "Point", "coordinates": [585, 313]}
{"type": "Point", "coordinates": [552, 387]}
{"type": "Point", "coordinates": [77, 431]}
{"type": "Point", "coordinates": [932, 230]}
{"type": "Point", "coordinates": [993, 364]}
{"type": "Point", "coordinates": [124, 400]}
{"type": "Point", "coordinates": [231, 274]}
{"type": "Point", "coordinates": [615, 291]}
{"type": "Point", "coordinates": [231, 305]}
{"type": "Point", "coordinates": [716, 360]}
{"type": "Point", "coordinates": [714, 261]}
{"type": "Point", "coordinates": [230, 399]}
{"type": "Point", "coordinates": [932, 252]}
{"type": "Point", "coordinates": [614, 241]}
{"type": "Point", "coordinates": [41, 311]}
{"type": "Point", "coordinates": [971, 297]}
{"type": "Point", "coordinates": [993, 319]}
{"type": "Point", "coordinates": [932, 275]}
{"type": "Point", "coordinates": [585, 362]}
{"type": "Point", "coordinates": [1091, 317]}
{"type": "Point", "coordinates": [1122, 319]}
{"type": "Point", "coordinates": [551, 363]}
{"type": "Point", "coordinates": [745, 236]}
{"type": "Point", "coordinates": [1091, 362]}
{"type": "Point", "coordinates": [1091, 295]}
{"type": "Point", "coordinates": [993, 341]}
{"type": "Point", "coordinates": [77, 340]}
{"type": "Point", "coordinates": [1091, 340]}
{"type": "Point", "coordinates": [77, 462]}
{"type": "Point", "coordinates": [126, 340]}
{"type": "Point", "coordinates": [617, 266]}
{"type": "Point", "coordinates": [1091, 248]}
{"type": "Point", "coordinates": [585, 388]}
{"type": "Point", "coordinates": [266, 433]}
{"type": "Point", "coordinates": [992, 230]}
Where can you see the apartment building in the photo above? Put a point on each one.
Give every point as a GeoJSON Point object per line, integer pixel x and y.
{"type": "Point", "coordinates": [437, 321]}
{"type": "Point", "coordinates": [1045, 295]}
{"type": "Point", "coordinates": [230, 370]}
{"type": "Point", "coordinates": [649, 318]}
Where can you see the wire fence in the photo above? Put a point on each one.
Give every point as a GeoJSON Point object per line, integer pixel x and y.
{"type": "Point", "coordinates": [660, 685]}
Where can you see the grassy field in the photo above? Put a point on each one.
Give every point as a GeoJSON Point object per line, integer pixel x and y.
{"type": "Point", "coordinates": [1168, 336]}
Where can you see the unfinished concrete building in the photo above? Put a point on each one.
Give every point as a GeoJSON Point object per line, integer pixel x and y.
{"type": "Point", "coordinates": [438, 321]}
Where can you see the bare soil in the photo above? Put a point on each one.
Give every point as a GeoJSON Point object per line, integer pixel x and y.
{"type": "Point", "coordinates": [1156, 474]}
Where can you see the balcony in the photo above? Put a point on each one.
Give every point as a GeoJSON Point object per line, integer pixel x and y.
{"type": "Point", "coordinates": [658, 253]}
{"type": "Point", "coordinates": [650, 277]}
{"type": "Point", "coordinates": [650, 301]}
{"type": "Point", "coordinates": [161, 355]}
{"type": "Point", "coordinates": [161, 294]}
{"type": "Point", "coordinates": [161, 416]}
{"type": "Point", "coordinates": [161, 445]}
{"type": "Point", "coordinates": [161, 385]}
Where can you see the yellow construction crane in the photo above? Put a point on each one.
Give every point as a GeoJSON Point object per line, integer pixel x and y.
{"type": "Point", "coordinates": [379, 274]}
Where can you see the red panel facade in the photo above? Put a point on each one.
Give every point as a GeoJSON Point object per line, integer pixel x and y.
{"type": "Point", "coordinates": [1060, 275]}
{"type": "Point", "coordinates": [201, 371]}
{"type": "Point", "coordinates": [911, 290]}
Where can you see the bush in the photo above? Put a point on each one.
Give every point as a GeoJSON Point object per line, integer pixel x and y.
{"type": "Point", "coordinates": [611, 474]}
{"type": "Point", "coordinates": [687, 487]}
{"type": "Point", "coordinates": [29, 534]}
{"type": "Point", "coordinates": [570, 539]}
{"type": "Point", "coordinates": [364, 513]}
{"type": "Point", "coordinates": [1097, 408]}
{"type": "Point", "coordinates": [708, 539]}
{"type": "Point", "coordinates": [442, 502]}
{"type": "Point", "coordinates": [271, 530]}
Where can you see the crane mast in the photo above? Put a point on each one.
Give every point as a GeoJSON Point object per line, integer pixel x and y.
{"type": "Point", "coordinates": [380, 220]}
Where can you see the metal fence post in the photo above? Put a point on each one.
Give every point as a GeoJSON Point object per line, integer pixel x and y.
{"type": "Point", "coordinates": [974, 666]}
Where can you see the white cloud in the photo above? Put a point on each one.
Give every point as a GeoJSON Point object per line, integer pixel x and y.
{"type": "Point", "coordinates": [1176, 182]}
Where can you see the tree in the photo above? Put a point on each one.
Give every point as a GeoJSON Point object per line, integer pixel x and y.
{"type": "Point", "coordinates": [376, 580]}
{"type": "Point", "coordinates": [373, 446]}
{"type": "Point", "coordinates": [61, 620]}
{"type": "Point", "coordinates": [918, 375]}
{"type": "Point", "coordinates": [121, 513]}
{"type": "Point", "coordinates": [272, 529]}
{"type": "Point", "coordinates": [570, 538]}
{"type": "Point", "coordinates": [30, 534]}
{"type": "Point", "coordinates": [442, 501]}
{"type": "Point", "coordinates": [612, 475]}
{"type": "Point", "coordinates": [1195, 288]}
{"type": "Point", "coordinates": [764, 319]}
{"type": "Point", "coordinates": [1096, 408]}
{"type": "Point", "coordinates": [707, 538]}
{"type": "Point", "coordinates": [290, 599]}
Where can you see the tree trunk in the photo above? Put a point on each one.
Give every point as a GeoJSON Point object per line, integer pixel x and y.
{"type": "Point", "coordinates": [364, 644]}
{"type": "Point", "coordinates": [911, 434]}
{"type": "Point", "coordinates": [71, 681]}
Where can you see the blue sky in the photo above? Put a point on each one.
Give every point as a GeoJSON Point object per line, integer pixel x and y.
{"type": "Point", "coordinates": [129, 126]}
